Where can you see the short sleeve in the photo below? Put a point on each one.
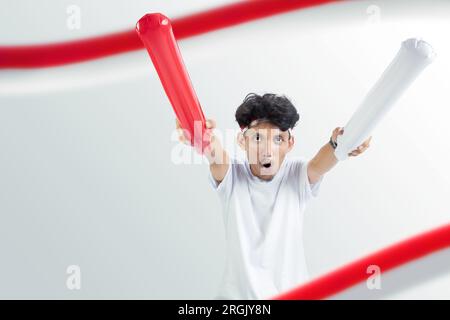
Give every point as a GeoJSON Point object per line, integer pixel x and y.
{"type": "Point", "coordinates": [308, 190]}
{"type": "Point", "coordinates": [224, 187]}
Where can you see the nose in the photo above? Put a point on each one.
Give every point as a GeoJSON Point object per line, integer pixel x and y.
{"type": "Point", "coordinates": [267, 152]}
{"type": "Point", "coordinates": [269, 147]}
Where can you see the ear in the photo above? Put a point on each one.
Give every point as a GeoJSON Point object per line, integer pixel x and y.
{"type": "Point", "coordinates": [291, 143]}
{"type": "Point", "coordinates": [240, 139]}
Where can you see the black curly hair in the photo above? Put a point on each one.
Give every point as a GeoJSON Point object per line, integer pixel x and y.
{"type": "Point", "coordinates": [277, 109]}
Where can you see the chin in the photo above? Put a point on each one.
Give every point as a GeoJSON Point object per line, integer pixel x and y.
{"type": "Point", "coordinates": [267, 175]}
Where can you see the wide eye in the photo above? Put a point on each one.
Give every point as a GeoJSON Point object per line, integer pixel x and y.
{"type": "Point", "coordinates": [256, 137]}
{"type": "Point", "coordinates": [278, 139]}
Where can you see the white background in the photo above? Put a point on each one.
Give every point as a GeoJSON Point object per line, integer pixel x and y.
{"type": "Point", "coordinates": [86, 175]}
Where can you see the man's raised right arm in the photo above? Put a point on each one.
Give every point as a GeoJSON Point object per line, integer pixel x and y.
{"type": "Point", "coordinates": [215, 153]}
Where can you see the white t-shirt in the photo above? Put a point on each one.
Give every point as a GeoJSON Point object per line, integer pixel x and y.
{"type": "Point", "coordinates": [263, 229]}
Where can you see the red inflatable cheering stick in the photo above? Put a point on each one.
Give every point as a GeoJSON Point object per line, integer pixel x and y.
{"type": "Point", "coordinates": [155, 31]}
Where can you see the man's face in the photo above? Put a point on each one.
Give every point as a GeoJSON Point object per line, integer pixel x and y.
{"type": "Point", "coordinates": [266, 147]}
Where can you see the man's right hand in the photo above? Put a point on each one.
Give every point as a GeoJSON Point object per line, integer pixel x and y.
{"type": "Point", "coordinates": [210, 124]}
{"type": "Point", "coordinates": [217, 156]}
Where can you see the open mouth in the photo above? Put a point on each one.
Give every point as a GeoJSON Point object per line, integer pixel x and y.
{"type": "Point", "coordinates": [266, 164]}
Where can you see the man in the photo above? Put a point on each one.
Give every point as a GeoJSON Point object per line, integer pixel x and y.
{"type": "Point", "coordinates": [264, 197]}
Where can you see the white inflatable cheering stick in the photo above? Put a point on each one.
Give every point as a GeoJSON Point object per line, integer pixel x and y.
{"type": "Point", "coordinates": [412, 58]}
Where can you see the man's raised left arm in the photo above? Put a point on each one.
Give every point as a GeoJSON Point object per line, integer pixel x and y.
{"type": "Point", "coordinates": [325, 159]}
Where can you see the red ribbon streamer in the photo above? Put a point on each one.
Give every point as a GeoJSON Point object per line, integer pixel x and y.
{"type": "Point", "coordinates": [56, 54]}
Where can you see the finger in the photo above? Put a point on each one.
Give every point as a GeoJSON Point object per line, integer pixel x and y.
{"type": "Point", "coordinates": [335, 133]}
{"type": "Point", "coordinates": [212, 139]}
{"type": "Point", "coordinates": [180, 132]}
{"type": "Point", "coordinates": [182, 138]}
{"type": "Point", "coordinates": [210, 124]}
{"type": "Point", "coordinates": [186, 141]}
{"type": "Point", "coordinates": [356, 152]}
{"type": "Point", "coordinates": [366, 143]}
{"type": "Point", "coordinates": [338, 132]}
{"type": "Point", "coordinates": [362, 147]}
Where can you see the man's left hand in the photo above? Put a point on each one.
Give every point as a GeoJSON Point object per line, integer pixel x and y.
{"type": "Point", "coordinates": [360, 149]}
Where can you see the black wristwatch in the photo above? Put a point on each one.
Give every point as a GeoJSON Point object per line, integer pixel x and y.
{"type": "Point", "coordinates": [333, 143]}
